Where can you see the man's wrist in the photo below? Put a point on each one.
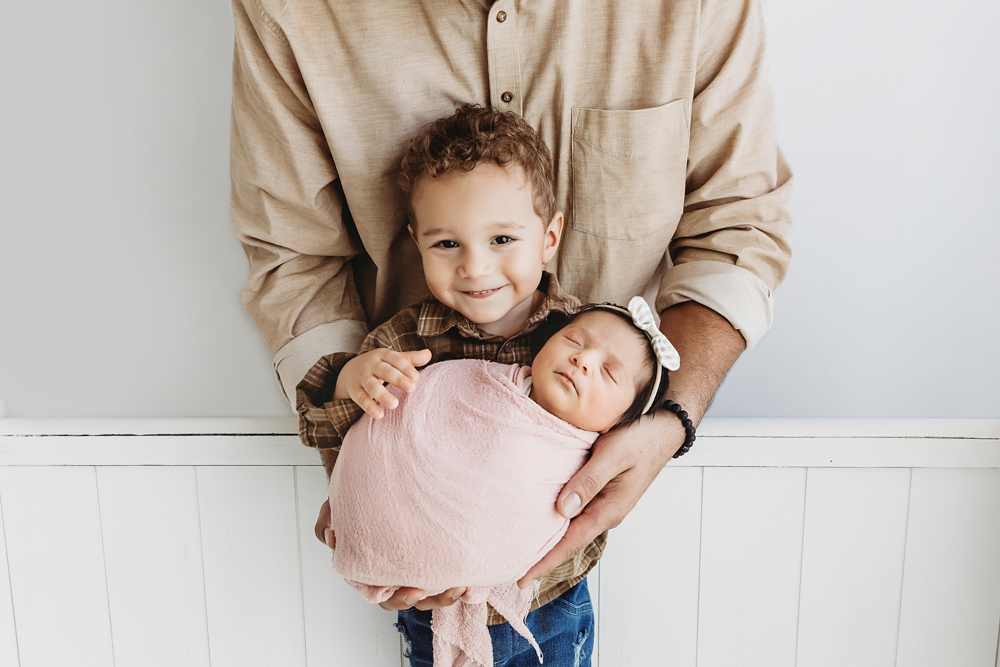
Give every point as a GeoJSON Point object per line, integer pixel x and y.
{"type": "Point", "coordinates": [664, 432]}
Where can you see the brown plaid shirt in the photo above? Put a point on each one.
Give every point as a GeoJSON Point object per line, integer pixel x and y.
{"type": "Point", "coordinates": [448, 334]}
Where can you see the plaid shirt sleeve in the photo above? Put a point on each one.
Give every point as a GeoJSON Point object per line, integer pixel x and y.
{"type": "Point", "coordinates": [323, 421]}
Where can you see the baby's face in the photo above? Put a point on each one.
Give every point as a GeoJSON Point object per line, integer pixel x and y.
{"type": "Point", "coordinates": [588, 373]}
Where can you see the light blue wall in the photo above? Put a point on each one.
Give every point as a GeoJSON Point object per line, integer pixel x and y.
{"type": "Point", "coordinates": [120, 274]}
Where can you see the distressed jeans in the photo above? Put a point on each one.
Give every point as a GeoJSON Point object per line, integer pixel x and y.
{"type": "Point", "coordinates": [564, 629]}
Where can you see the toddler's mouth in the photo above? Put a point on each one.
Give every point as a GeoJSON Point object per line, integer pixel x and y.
{"type": "Point", "coordinates": [485, 292]}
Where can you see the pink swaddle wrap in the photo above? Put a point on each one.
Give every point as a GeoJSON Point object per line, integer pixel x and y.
{"type": "Point", "coordinates": [455, 487]}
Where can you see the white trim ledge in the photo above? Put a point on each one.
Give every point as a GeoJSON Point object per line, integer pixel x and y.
{"type": "Point", "coordinates": [272, 441]}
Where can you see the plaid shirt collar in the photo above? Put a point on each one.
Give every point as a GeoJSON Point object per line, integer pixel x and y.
{"type": "Point", "coordinates": [436, 318]}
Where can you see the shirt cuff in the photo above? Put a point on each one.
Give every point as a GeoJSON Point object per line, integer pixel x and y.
{"type": "Point", "coordinates": [730, 290]}
{"type": "Point", "coordinates": [298, 355]}
{"type": "Point", "coordinates": [323, 422]}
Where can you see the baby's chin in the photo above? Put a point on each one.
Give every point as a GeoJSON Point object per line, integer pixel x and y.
{"type": "Point", "coordinates": [579, 419]}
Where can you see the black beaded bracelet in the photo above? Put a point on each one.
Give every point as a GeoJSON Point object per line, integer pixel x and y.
{"type": "Point", "coordinates": [689, 432]}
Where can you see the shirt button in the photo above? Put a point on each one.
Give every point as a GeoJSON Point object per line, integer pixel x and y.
{"type": "Point", "coordinates": [507, 97]}
{"type": "Point", "coordinates": [501, 17]}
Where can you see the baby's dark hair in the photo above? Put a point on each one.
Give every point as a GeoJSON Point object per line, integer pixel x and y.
{"type": "Point", "coordinates": [644, 387]}
{"type": "Point", "coordinates": [472, 135]}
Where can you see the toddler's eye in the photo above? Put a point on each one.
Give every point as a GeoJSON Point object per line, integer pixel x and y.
{"type": "Point", "coordinates": [447, 245]}
{"type": "Point", "coordinates": [501, 240]}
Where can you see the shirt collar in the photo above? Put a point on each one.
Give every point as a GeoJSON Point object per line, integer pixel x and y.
{"type": "Point", "coordinates": [436, 318]}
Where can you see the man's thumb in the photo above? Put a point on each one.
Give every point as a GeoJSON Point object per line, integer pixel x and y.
{"type": "Point", "coordinates": [581, 489]}
{"type": "Point", "coordinates": [569, 504]}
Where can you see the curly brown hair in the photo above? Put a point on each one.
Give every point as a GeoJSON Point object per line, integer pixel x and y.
{"type": "Point", "coordinates": [472, 135]}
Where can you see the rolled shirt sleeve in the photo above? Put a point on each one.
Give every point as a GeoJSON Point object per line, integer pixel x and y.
{"type": "Point", "coordinates": [730, 250]}
{"type": "Point", "coordinates": [288, 207]}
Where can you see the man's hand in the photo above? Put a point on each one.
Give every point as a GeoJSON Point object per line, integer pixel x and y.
{"type": "Point", "coordinates": [405, 598]}
{"type": "Point", "coordinates": [363, 378]}
{"type": "Point", "coordinates": [625, 461]}
{"type": "Point", "coordinates": [323, 531]}
{"type": "Point", "coordinates": [622, 465]}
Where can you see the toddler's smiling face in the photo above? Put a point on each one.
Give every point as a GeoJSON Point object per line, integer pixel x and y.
{"type": "Point", "coordinates": [482, 243]}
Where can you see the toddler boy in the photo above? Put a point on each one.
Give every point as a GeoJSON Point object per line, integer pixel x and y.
{"type": "Point", "coordinates": [482, 213]}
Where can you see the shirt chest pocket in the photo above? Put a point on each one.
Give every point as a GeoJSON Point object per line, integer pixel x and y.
{"type": "Point", "coordinates": [629, 170]}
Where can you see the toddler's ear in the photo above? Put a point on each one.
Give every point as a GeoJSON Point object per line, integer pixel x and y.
{"type": "Point", "coordinates": [553, 232]}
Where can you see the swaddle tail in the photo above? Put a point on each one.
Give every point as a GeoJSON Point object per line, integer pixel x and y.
{"type": "Point", "coordinates": [461, 636]}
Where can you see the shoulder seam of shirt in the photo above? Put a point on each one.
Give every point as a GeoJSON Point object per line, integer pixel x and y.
{"type": "Point", "coordinates": [270, 23]}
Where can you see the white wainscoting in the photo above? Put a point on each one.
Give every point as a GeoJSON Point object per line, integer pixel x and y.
{"type": "Point", "coordinates": [773, 543]}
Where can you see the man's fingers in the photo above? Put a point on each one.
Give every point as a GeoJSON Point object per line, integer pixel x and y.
{"type": "Point", "coordinates": [582, 531]}
{"type": "Point", "coordinates": [602, 467]}
{"type": "Point", "coordinates": [446, 599]}
{"type": "Point", "coordinates": [404, 598]}
{"type": "Point", "coordinates": [323, 523]}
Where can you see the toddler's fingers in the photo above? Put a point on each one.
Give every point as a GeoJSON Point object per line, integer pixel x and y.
{"type": "Point", "coordinates": [367, 403]}
{"type": "Point", "coordinates": [376, 390]}
{"type": "Point", "coordinates": [418, 357]}
{"type": "Point", "coordinates": [396, 375]}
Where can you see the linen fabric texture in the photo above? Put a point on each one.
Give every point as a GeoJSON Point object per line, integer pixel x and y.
{"type": "Point", "coordinates": [455, 486]}
{"type": "Point", "coordinates": [658, 113]}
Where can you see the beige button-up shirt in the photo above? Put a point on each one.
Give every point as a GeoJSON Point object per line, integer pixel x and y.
{"type": "Point", "coordinates": [658, 113]}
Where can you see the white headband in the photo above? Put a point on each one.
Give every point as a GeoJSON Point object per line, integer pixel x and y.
{"type": "Point", "coordinates": [666, 354]}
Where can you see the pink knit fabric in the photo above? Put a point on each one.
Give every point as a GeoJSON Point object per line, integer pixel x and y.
{"type": "Point", "coordinates": [455, 487]}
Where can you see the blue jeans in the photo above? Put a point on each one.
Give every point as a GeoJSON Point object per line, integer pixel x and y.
{"type": "Point", "coordinates": [564, 629]}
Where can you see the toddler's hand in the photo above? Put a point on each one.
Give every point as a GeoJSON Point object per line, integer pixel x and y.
{"type": "Point", "coordinates": [363, 378]}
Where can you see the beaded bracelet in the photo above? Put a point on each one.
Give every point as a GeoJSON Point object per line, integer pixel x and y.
{"type": "Point", "coordinates": [689, 432]}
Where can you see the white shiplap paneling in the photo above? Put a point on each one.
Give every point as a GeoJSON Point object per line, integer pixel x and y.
{"type": "Point", "coordinates": [338, 622]}
{"type": "Point", "coordinates": [751, 547]}
{"type": "Point", "coordinates": [272, 598]}
{"type": "Point", "coordinates": [649, 576]}
{"type": "Point", "coordinates": [951, 580]}
{"type": "Point", "coordinates": [152, 546]}
{"type": "Point", "coordinates": [56, 559]}
{"type": "Point", "coordinates": [852, 566]}
{"type": "Point", "coordinates": [252, 583]}
{"type": "Point", "coordinates": [8, 633]}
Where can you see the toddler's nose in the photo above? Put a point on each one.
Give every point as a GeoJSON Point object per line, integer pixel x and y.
{"type": "Point", "coordinates": [476, 264]}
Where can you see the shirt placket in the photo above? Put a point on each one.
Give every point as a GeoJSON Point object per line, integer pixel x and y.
{"type": "Point", "coordinates": [504, 63]}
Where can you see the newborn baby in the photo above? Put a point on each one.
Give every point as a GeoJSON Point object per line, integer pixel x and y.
{"type": "Point", "coordinates": [458, 484]}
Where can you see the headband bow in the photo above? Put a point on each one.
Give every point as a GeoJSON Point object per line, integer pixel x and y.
{"type": "Point", "coordinates": [666, 354]}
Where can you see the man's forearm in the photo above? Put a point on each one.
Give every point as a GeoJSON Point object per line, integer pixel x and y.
{"type": "Point", "coordinates": [329, 459]}
{"type": "Point", "coordinates": [708, 345]}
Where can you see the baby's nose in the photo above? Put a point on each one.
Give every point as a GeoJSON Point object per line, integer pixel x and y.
{"type": "Point", "coordinates": [584, 361]}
